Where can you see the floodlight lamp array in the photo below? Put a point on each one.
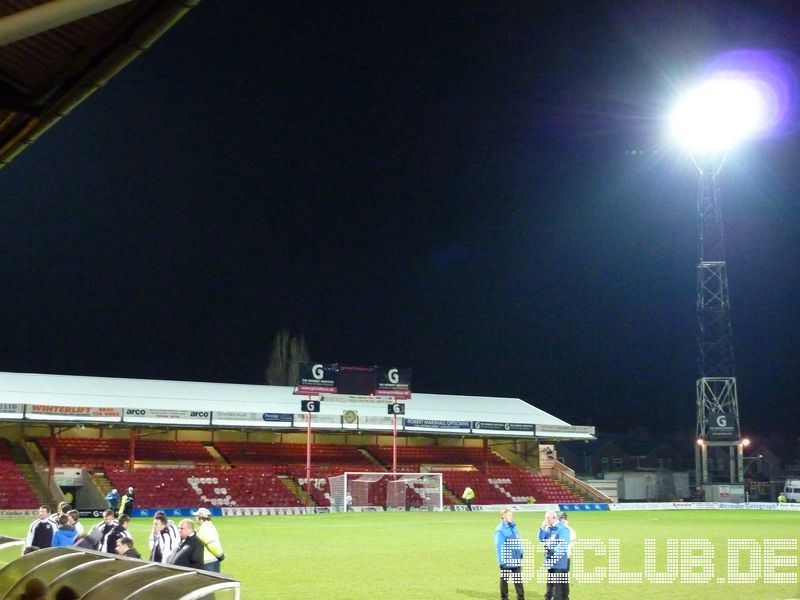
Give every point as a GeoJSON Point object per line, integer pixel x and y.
{"type": "Point", "coordinates": [719, 114]}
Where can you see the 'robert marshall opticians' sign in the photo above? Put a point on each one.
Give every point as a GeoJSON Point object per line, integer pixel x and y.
{"type": "Point", "coordinates": [436, 425]}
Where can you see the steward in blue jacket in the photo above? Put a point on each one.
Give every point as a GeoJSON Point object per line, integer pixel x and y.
{"type": "Point", "coordinates": [508, 546]}
{"type": "Point", "coordinates": [555, 538]}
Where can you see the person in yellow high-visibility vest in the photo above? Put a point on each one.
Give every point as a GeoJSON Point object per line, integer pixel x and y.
{"type": "Point", "coordinates": [468, 496]}
{"type": "Point", "coordinates": [126, 503]}
{"type": "Point", "coordinates": [207, 534]}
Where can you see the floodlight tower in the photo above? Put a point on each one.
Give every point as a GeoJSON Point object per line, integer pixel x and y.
{"type": "Point", "coordinates": [718, 421]}
{"type": "Point", "coordinates": [709, 122]}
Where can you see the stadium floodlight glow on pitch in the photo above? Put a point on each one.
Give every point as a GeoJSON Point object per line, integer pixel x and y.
{"type": "Point", "coordinates": [719, 113]}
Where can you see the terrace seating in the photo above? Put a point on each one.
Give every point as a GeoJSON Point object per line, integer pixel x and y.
{"type": "Point", "coordinates": [205, 486]}
{"type": "Point", "coordinates": [92, 451]}
{"type": "Point", "coordinates": [254, 478]}
{"type": "Point", "coordinates": [15, 492]}
{"type": "Point", "coordinates": [177, 451]}
{"type": "Point", "coordinates": [508, 484]}
{"type": "Point", "coordinates": [84, 451]}
{"type": "Point", "coordinates": [409, 458]}
{"type": "Point", "coordinates": [265, 453]}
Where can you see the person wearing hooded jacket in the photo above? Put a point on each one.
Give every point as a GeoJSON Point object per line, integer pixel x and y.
{"type": "Point", "coordinates": [65, 534]}
{"type": "Point", "coordinates": [508, 546]}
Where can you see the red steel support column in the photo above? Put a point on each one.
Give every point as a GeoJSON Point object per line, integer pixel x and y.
{"type": "Point", "coordinates": [132, 449]}
{"type": "Point", "coordinates": [308, 458]}
{"type": "Point", "coordinates": [51, 471]}
{"type": "Point", "coordinates": [394, 443]}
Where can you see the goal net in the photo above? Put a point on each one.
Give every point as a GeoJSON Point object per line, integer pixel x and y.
{"type": "Point", "coordinates": [420, 491]}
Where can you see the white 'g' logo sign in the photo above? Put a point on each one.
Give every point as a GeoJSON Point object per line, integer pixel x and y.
{"type": "Point", "coordinates": [722, 421]}
{"type": "Point", "coordinates": [394, 377]}
{"type": "Point", "coordinates": [317, 372]}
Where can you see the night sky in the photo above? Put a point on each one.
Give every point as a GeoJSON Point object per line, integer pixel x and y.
{"type": "Point", "coordinates": [480, 191]}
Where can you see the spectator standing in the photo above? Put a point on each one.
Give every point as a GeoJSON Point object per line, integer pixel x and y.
{"type": "Point", "coordinates": [207, 533]}
{"type": "Point", "coordinates": [40, 533]}
{"type": "Point", "coordinates": [120, 531]}
{"type": "Point", "coordinates": [65, 534]}
{"type": "Point", "coordinates": [60, 510]}
{"type": "Point", "coordinates": [554, 536]}
{"type": "Point", "coordinates": [468, 496]}
{"type": "Point", "coordinates": [508, 546]}
{"type": "Point", "coordinates": [100, 531]}
{"type": "Point", "coordinates": [74, 520]}
{"type": "Point", "coordinates": [162, 539]}
{"type": "Point", "coordinates": [173, 528]}
{"type": "Point", "coordinates": [125, 547]}
{"type": "Point", "coordinates": [189, 552]}
{"type": "Point", "coordinates": [85, 542]}
{"type": "Point", "coordinates": [126, 503]}
{"type": "Point", "coordinates": [564, 519]}
{"type": "Point", "coordinates": [112, 500]}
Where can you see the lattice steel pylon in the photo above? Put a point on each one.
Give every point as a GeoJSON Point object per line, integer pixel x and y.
{"type": "Point", "coordinates": [718, 423]}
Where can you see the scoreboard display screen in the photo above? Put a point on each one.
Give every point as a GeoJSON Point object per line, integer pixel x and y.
{"type": "Point", "coordinates": [357, 381]}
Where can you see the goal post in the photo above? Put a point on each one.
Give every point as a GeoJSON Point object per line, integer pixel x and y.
{"type": "Point", "coordinates": [419, 491]}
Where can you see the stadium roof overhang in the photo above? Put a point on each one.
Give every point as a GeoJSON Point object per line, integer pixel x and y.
{"type": "Point", "coordinates": [54, 54]}
{"type": "Point", "coordinates": [138, 402]}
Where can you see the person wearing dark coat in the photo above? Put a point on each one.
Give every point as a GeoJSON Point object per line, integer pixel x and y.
{"type": "Point", "coordinates": [120, 531]}
{"type": "Point", "coordinates": [100, 531]}
{"type": "Point", "coordinates": [125, 548]}
{"type": "Point", "coordinates": [189, 552]}
{"type": "Point", "coordinates": [41, 530]}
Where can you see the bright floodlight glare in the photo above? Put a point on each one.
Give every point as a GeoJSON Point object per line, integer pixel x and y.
{"type": "Point", "coordinates": [719, 114]}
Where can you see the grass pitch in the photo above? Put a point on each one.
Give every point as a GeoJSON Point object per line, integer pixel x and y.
{"type": "Point", "coordinates": [450, 555]}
